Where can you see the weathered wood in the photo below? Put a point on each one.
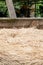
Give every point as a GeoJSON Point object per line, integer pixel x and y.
{"type": "Point", "coordinates": [11, 9]}
{"type": "Point", "coordinates": [21, 22]}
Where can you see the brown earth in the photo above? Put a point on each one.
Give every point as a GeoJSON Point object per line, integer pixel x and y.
{"type": "Point", "coordinates": [21, 46]}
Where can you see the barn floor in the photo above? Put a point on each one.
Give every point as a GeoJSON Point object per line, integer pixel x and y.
{"type": "Point", "coordinates": [21, 46]}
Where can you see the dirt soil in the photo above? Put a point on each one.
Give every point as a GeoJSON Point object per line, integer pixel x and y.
{"type": "Point", "coordinates": [21, 46]}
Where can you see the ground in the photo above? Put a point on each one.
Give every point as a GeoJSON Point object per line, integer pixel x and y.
{"type": "Point", "coordinates": [21, 46]}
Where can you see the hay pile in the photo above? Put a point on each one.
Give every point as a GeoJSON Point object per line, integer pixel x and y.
{"type": "Point", "coordinates": [21, 46]}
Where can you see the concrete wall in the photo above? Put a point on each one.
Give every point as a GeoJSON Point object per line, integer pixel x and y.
{"type": "Point", "coordinates": [21, 22]}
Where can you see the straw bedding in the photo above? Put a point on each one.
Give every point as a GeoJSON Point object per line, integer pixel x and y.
{"type": "Point", "coordinates": [21, 46]}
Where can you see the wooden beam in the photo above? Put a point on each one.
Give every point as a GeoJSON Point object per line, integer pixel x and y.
{"type": "Point", "coordinates": [11, 9]}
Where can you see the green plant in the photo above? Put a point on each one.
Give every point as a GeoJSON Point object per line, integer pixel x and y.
{"type": "Point", "coordinates": [3, 9]}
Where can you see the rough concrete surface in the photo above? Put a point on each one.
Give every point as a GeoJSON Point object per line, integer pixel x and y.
{"type": "Point", "coordinates": [21, 46]}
